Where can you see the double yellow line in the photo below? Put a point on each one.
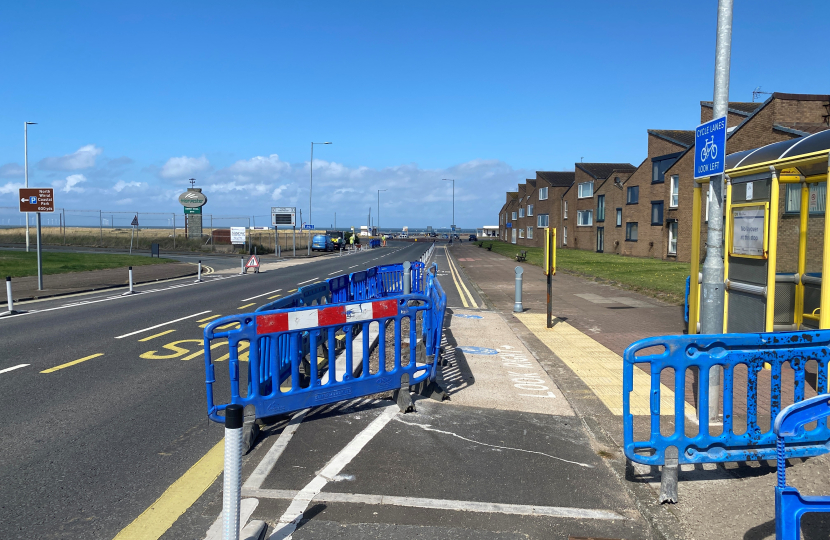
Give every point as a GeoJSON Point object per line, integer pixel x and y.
{"type": "Point", "coordinates": [459, 283]}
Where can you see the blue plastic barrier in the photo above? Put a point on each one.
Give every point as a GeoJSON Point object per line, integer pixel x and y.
{"type": "Point", "coordinates": [686, 301]}
{"type": "Point", "coordinates": [790, 505]}
{"type": "Point", "coordinates": [275, 346]}
{"type": "Point", "coordinates": [416, 271]}
{"type": "Point", "coordinates": [358, 288]}
{"type": "Point", "coordinates": [391, 278]}
{"type": "Point", "coordinates": [339, 287]}
{"type": "Point", "coordinates": [728, 351]}
{"type": "Point", "coordinates": [315, 294]}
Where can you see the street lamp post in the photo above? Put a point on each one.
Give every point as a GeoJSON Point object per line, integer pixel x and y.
{"type": "Point", "coordinates": [311, 176]}
{"type": "Point", "coordinates": [452, 226]}
{"type": "Point", "coordinates": [26, 170]}
{"type": "Point", "coordinates": [379, 209]}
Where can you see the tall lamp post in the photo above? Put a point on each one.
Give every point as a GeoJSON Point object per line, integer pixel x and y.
{"type": "Point", "coordinates": [26, 170]}
{"type": "Point", "coordinates": [379, 209]}
{"type": "Point", "coordinates": [311, 176]}
{"type": "Point", "coordinates": [452, 227]}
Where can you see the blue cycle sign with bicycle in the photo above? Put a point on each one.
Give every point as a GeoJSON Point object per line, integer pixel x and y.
{"type": "Point", "coordinates": [710, 148]}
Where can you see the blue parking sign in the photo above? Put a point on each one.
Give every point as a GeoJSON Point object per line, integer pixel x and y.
{"type": "Point", "coordinates": [32, 200]}
{"type": "Point", "coordinates": [710, 148]}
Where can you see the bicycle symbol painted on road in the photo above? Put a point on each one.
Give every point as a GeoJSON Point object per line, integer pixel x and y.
{"type": "Point", "coordinates": [709, 150]}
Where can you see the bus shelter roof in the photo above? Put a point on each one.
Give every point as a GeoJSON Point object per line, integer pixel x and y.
{"type": "Point", "coordinates": [806, 154]}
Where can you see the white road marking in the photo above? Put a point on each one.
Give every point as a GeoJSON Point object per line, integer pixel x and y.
{"type": "Point", "coordinates": [260, 295]}
{"type": "Point", "coordinates": [440, 504]}
{"type": "Point", "coordinates": [307, 281]}
{"type": "Point", "coordinates": [267, 464]}
{"type": "Point", "coordinates": [427, 427]}
{"type": "Point", "coordinates": [337, 272]}
{"type": "Point", "coordinates": [13, 368]}
{"type": "Point", "coordinates": [292, 516]}
{"type": "Point", "coordinates": [246, 508]}
{"type": "Point", "coordinates": [355, 266]}
{"type": "Point", "coordinates": [162, 324]}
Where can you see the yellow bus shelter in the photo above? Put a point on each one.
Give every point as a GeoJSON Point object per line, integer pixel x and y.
{"type": "Point", "coordinates": [768, 283]}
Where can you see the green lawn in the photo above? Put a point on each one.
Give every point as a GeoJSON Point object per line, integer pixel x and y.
{"type": "Point", "coordinates": [20, 263]}
{"type": "Point", "coordinates": [662, 279]}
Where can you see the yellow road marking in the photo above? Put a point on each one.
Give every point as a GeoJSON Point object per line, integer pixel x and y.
{"type": "Point", "coordinates": [275, 296]}
{"type": "Point", "coordinates": [177, 351]}
{"type": "Point", "coordinates": [472, 301]}
{"type": "Point", "coordinates": [293, 290]}
{"type": "Point", "coordinates": [208, 318]}
{"type": "Point", "coordinates": [458, 285]}
{"type": "Point", "coordinates": [246, 305]}
{"type": "Point", "coordinates": [72, 363]}
{"type": "Point", "coordinates": [599, 367]}
{"type": "Point", "coordinates": [229, 325]}
{"type": "Point", "coordinates": [148, 338]}
{"type": "Point", "coordinates": [160, 516]}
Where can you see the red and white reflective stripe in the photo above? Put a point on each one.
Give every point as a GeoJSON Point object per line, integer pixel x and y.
{"type": "Point", "coordinates": [313, 318]}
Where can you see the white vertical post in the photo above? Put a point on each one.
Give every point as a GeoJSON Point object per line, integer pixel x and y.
{"type": "Point", "coordinates": [517, 304]}
{"type": "Point", "coordinates": [131, 280]}
{"type": "Point", "coordinates": [39, 256]}
{"type": "Point", "coordinates": [407, 277]}
{"type": "Point", "coordinates": [231, 489]}
{"type": "Point", "coordinates": [199, 273]}
{"type": "Point", "coordinates": [242, 265]}
{"type": "Point", "coordinates": [9, 294]}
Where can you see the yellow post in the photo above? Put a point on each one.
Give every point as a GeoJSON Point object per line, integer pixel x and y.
{"type": "Point", "coordinates": [824, 311]}
{"type": "Point", "coordinates": [694, 286]}
{"type": "Point", "coordinates": [772, 249]}
{"type": "Point", "coordinates": [727, 231]}
{"type": "Point", "coordinates": [804, 214]}
{"type": "Point", "coordinates": [553, 247]}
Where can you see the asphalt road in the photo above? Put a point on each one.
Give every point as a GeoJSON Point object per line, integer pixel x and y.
{"type": "Point", "coordinates": [103, 417]}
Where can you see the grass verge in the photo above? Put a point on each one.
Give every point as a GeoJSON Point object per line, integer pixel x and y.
{"type": "Point", "coordinates": [20, 263]}
{"type": "Point", "coordinates": [665, 280]}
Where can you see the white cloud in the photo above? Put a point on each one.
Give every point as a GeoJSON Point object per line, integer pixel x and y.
{"type": "Point", "coordinates": [11, 169]}
{"type": "Point", "coordinates": [10, 188]}
{"type": "Point", "coordinates": [71, 183]}
{"type": "Point", "coordinates": [83, 158]}
{"type": "Point", "coordinates": [120, 185]}
{"type": "Point", "coordinates": [181, 168]}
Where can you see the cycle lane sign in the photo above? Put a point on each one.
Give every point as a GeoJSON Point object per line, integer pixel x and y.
{"type": "Point", "coordinates": [710, 148]}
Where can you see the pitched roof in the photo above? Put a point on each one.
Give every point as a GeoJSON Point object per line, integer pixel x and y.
{"type": "Point", "coordinates": [557, 178]}
{"type": "Point", "coordinates": [801, 128]}
{"type": "Point", "coordinates": [685, 138]}
{"type": "Point", "coordinates": [742, 108]}
{"type": "Point", "coordinates": [531, 183]}
{"type": "Point", "coordinates": [512, 194]}
{"type": "Point", "coordinates": [600, 171]}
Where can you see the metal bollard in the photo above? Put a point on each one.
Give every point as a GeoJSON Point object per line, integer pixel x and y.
{"type": "Point", "coordinates": [9, 294]}
{"type": "Point", "coordinates": [199, 273]}
{"type": "Point", "coordinates": [407, 278]}
{"type": "Point", "coordinates": [241, 265]}
{"type": "Point", "coordinates": [233, 472]}
{"type": "Point", "coordinates": [131, 280]}
{"type": "Point", "coordinates": [517, 305]}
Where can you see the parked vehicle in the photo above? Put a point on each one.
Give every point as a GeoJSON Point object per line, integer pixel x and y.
{"type": "Point", "coordinates": [322, 242]}
{"type": "Point", "coordinates": [473, 238]}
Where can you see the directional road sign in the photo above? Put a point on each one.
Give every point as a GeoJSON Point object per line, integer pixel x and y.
{"type": "Point", "coordinates": [710, 148]}
{"type": "Point", "coordinates": [37, 199]}
{"type": "Point", "coordinates": [308, 226]}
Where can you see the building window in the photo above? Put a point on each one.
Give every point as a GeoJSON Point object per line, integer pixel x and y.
{"type": "Point", "coordinates": [529, 210]}
{"type": "Point", "coordinates": [619, 217]}
{"type": "Point", "coordinates": [514, 215]}
{"type": "Point", "coordinates": [530, 233]}
{"type": "Point", "coordinates": [542, 220]}
{"type": "Point", "coordinates": [513, 236]}
{"type": "Point", "coordinates": [564, 236]}
{"type": "Point", "coordinates": [585, 190]}
{"type": "Point", "coordinates": [818, 193]}
{"type": "Point", "coordinates": [656, 212]}
{"type": "Point", "coordinates": [659, 166]}
{"type": "Point", "coordinates": [584, 218]}
{"type": "Point", "coordinates": [630, 232]}
{"type": "Point", "coordinates": [600, 208]}
{"type": "Point", "coordinates": [632, 195]}
{"type": "Point", "coordinates": [543, 194]}
{"type": "Point", "coordinates": [674, 196]}
{"type": "Point", "coordinates": [521, 233]}
{"type": "Point", "coordinates": [565, 211]}
{"type": "Point", "coordinates": [521, 212]}
{"type": "Point", "coordinates": [673, 238]}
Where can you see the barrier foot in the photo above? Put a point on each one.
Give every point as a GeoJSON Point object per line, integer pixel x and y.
{"type": "Point", "coordinates": [431, 390]}
{"type": "Point", "coordinates": [668, 478]}
{"type": "Point", "coordinates": [250, 432]}
{"type": "Point", "coordinates": [402, 397]}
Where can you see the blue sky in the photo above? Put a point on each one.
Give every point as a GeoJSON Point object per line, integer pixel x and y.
{"type": "Point", "coordinates": [134, 98]}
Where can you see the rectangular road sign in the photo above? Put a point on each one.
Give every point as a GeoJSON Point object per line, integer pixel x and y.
{"type": "Point", "coordinates": [37, 199]}
{"type": "Point", "coordinates": [710, 148]}
{"type": "Point", "coordinates": [283, 215]}
{"type": "Point", "coordinates": [237, 235]}
{"type": "Point", "coordinates": [308, 226]}
{"type": "Point", "coordinates": [197, 210]}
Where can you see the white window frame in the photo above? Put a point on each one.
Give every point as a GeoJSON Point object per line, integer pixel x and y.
{"type": "Point", "coordinates": [521, 233]}
{"type": "Point", "coordinates": [542, 220]}
{"type": "Point", "coordinates": [674, 191]}
{"type": "Point", "coordinates": [529, 234]}
{"type": "Point", "coordinates": [565, 210]}
{"type": "Point", "coordinates": [580, 218]}
{"type": "Point", "coordinates": [618, 218]}
{"type": "Point", "coordinates": [672, 238]}
{"type": "Point", "coordinates": [580, 194]}
{"type": "Point", "coordinates": [521, 212]}
{"type": "Point", "coordinates": [513, 214]}
{"type": "Point", "coordinates": [543, 194]}
{"type": "Point", "coordinates": [564, 236]}
{"type": "Point", "coordinates": [513, 236]}
{"type": "Point", "coordinates": [529, 210]}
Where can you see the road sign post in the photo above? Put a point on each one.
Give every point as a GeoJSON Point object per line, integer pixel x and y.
{"type": "Point", "coordinates": [550, 268]}
{"type": "Point", "coordinates": [134, 224]}
{"type": "Point", "coordinates": [37, 200]}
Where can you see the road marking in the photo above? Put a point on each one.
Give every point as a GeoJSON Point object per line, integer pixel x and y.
{"type": "Point", "coordinates": [160, 516]}
{"type": "Point", "coordinates": [261, 295]}
{"type": "Point", "coordinates": [275, 296]}
{"type": "Point", "coordinates": [246, 305]}
{"type": "Point", "coordinates": [289, 520]}
{"type": "Point", "coordinates": [293, 290]}
{"type": "Point", "coordinates": [439, 504]}
{"type": "Point", "coordinates": [307, 281]}
{"type": "Point", "coordinates": [267, 464]}
{"type": "Point", "coordinates": [156, 335]}
{"type": "Point", "coordinates": [355, 266]}
{"type": "Point", "coordinates": [335, 272]}
{"type": "Point", "coordinates": [208, 318]}
{"type": "Point", "coordinates": [457, 273]}
{"type": "Point", "coordinates": [13, 368]}
{"type": "Point", "coordinates": [72, 363]}
{"type": "Point", "coordinates": [162, 324]}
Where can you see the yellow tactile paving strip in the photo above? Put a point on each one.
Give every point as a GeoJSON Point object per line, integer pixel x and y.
{"type": "Point", "coordinates": [599, 367]}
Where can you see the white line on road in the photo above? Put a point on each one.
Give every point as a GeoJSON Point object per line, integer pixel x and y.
{"type": "Point", "coordinates": [355, 266]}
{"type": "Point", "coordinates": [259, 295]}
{"type": "Point", "coordinates": [440, 504]}
{"type": "Point", "coordinates": [336, 272]}
{"type": "Point", "coordinates": [13, 368]}
{"type": "Point", "coordinates": [307, 281]}
{"type": "Point", "coordinates": [267, 464]}
{"type": "Point", "coordinates": [162, 324]}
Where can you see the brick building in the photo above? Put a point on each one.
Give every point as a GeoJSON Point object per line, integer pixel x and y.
{"type": "Point", "coordinates": [533, 206]}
